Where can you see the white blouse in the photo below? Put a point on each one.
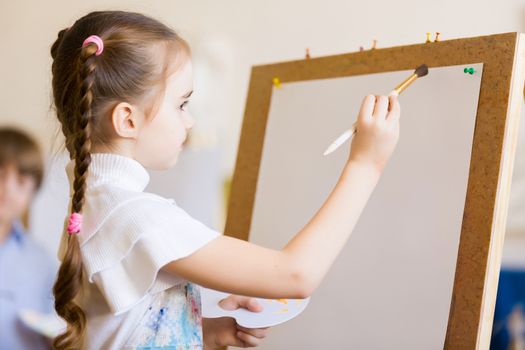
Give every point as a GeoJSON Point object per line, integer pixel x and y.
{"type": "Point", "coordinates": [127, 236]}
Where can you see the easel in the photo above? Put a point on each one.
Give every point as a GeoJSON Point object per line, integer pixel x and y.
{"type": "Point", "coordinates": [485, 213]}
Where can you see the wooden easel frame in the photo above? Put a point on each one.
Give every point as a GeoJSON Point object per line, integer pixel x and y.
{"type": "Point", "coordinates": [493, 150]}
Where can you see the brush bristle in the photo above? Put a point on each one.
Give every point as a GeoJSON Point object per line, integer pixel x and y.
{"type": "Point", "coordinates": [422, 70]}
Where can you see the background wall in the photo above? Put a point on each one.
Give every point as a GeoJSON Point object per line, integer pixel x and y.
{"type": "Point", "coordinates": [227, 38]}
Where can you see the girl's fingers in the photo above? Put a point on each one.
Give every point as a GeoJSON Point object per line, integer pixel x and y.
{"type": "Point", "coordinates": [248, 340]}
{"type": "Point", "coordinates": [233, 302]}
{"type": "Point", "coordinates": [256, 332]}
{"type": "Point", "coordinates": [248, 303]}
{"type": "Point", "coordinates": [253, 305]}
{"type": "Point", "coordinates": [394, 109]}
{"type": "Point", "coordinates": [380, 108]}
{"type": "Point", "coordinates": [367, 107]}
{"type": "Point", "coordinates": [391, 99]}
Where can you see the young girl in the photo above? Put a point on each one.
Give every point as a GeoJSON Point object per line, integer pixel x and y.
{"type": "Point", "coordinates": [130, 259]}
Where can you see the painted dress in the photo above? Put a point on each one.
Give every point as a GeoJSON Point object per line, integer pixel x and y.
{"type": "Point", "coordinates": [173, 321]}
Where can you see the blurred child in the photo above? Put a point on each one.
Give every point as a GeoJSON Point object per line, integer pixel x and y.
{"type": "Point", "coordinates": [27, 273]}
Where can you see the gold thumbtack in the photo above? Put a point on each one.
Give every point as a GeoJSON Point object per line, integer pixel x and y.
{"type": "Point", "coordinates": [276, 82]}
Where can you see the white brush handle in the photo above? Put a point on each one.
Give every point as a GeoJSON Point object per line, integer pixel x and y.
{"type": "Point", "coordinates": [341, 139]}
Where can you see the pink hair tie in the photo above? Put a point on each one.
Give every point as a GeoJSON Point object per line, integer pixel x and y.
{"type": "Point", "coordinates": [97, 41]}
{"type": "Point", "coordinates": [75, 223]}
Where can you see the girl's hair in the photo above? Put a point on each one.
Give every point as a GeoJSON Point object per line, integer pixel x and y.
{"type": "Point", "coordinates": [139, 54]}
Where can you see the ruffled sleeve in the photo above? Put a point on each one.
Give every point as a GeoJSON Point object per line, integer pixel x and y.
{"type": "Point", "coordinates": [125, 255]}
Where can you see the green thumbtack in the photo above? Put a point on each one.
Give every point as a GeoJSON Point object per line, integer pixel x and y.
{"type": "Point", "coordinates": [469, 70]}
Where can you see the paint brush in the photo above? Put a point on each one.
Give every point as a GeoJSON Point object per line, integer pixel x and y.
{"type": "Point", "coordinates": [420, 71]}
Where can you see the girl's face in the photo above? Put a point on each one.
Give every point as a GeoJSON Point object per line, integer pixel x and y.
{"type": "Point", "coordinates": [16, 192]}
{"type": "Point", "coordinates": [161, 138]}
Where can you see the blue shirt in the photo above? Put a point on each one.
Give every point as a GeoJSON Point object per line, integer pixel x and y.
{"type": "Point", "coordinates": [27, 276]}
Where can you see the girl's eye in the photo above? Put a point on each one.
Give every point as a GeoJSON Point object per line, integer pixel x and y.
{"type": "Point", "coordinates": [184, 104]}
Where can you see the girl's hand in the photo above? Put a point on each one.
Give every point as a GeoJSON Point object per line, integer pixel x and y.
{"type": "Point", "coordinates": [224, 331]}
{"type": "Point", "coordinates": [377, 131]}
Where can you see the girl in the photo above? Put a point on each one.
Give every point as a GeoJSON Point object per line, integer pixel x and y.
{"type": "Point", "coordinates": [130, 259]}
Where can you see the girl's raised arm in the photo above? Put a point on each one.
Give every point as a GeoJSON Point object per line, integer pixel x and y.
{"type": "Point", "coordinates": [239, 267]}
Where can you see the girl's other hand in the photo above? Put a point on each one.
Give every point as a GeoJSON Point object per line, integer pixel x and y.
{"type": "Point", "coordinates": [224, 331]}
{"type": "Point", "coordinates": [377, 131]}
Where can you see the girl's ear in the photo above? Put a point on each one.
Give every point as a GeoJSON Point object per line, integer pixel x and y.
{"type": "Point", "coordinates": [125, 120]}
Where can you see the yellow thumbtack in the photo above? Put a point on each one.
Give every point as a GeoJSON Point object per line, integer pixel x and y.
{"type": "Point", "coordinates": [437, 39]}
{"type": "Point", "coordinates": [307, 53]}
{"type": "Point", "coordinates": [428, 38]}
{"type": "Point", "coordinates": [374, 45]}
{"type": "Point", "coordinates": [276, 82]}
